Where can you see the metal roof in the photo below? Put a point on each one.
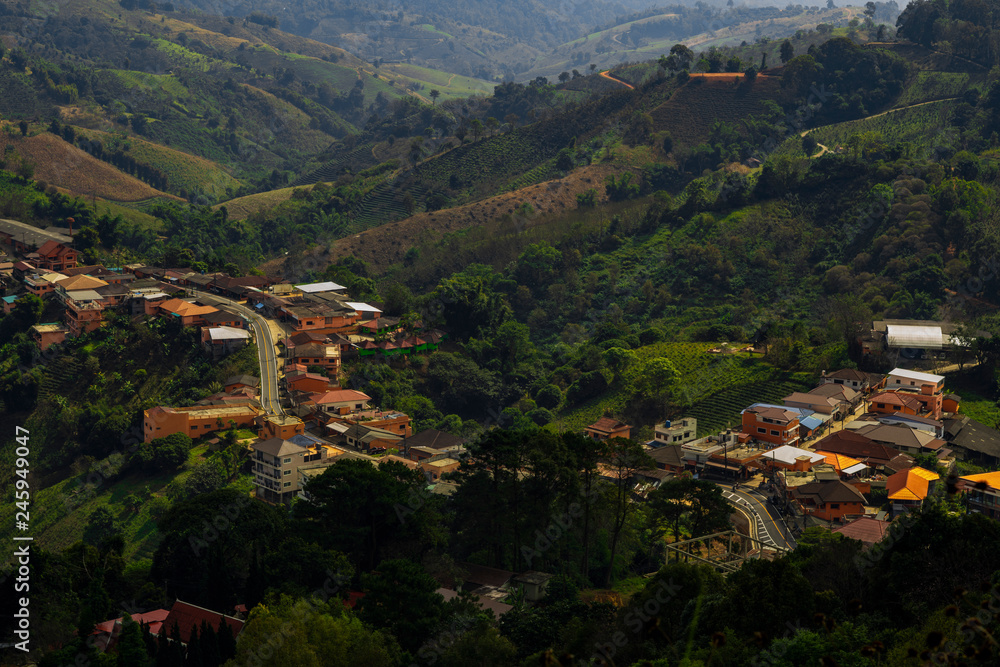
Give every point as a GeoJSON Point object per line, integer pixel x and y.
{"type": "Point", "coordinates": [321, 287]}
{"type": "Point", "coordinates": [931, 338]}
{"type": "Point", "coordinates": [915, 375]}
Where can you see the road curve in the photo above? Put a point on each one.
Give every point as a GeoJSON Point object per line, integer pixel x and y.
{"type": "Point", "coordinates": [617, 80]}
{"type": "Point", "coordinates": [770, 529]}
{"type": "Point", "coordinates": [266, 352]}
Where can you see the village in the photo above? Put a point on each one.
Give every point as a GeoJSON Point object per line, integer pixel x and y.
{"type": "Point", "coordinates": [851, 455]}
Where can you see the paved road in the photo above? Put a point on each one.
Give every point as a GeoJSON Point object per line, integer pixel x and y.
{"type": "Point", "coordinates": [768, 527]}
{"type": "Point", "coordinates": [266, 351]}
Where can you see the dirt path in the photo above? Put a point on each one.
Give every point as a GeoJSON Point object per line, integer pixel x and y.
{"type": "Point", "coordinates": [449, 80]}
{"type": "Point", "coordinates": [911, 106]}
{"type": "Point", "coordinates": [617, 80]}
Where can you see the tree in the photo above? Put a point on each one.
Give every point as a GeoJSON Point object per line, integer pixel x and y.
{"type": "Point", "coordinates": [477, 128]}
{"type": "Point", "coordinates": [435, 94]}
{"type": "Point", "coordinates": [563, 77]}
{"type": "Point", "coordinates": [623, 459]}
{"type": "Point", "coordinates": [355, 508]}
{"type": "Point", "coordinates": [401, 597]}
{"type": "Point", "coordinates": [23, 125]}
{"type": "Point", "coordinates": [26, 170]}
{"type": "Point", "coordinates": [680, 58]}
{"type": "Point", "coordinates": [492, 124]}
{"type": "Point", "coordinates": [751, 73]}
{"type": "Point", "coordinates": [787, 51]}
{"type": "Point", "coordinates": [809, 144]}
{"type": "Point", "coordinates": [312, 633]}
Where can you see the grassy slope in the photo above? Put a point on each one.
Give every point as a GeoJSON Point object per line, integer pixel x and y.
{"type": "Point", "coordinates": [64, 165]}
{"type": "Point", "coordinates": [183, 170]}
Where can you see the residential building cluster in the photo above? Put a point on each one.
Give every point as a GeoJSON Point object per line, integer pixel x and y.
{"type": "Point", "coordinates": [823, 455]}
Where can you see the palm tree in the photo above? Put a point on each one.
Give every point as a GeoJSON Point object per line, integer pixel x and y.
{"type": "Point", "coordinates": [434, 95]}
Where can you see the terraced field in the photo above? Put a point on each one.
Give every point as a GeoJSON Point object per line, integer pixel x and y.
{"type": "Point", "coordinates": [723, 409]}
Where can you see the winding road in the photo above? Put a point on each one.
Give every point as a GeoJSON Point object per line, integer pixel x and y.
{"type": "Point", "coordinates": [267, 353]}
{"type": "Point", "coordinates": [617, 80]}
{"type": "Point", "coordinates": [766, 525]}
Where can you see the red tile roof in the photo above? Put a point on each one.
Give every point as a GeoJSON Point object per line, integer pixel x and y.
{"type": "Point", "coordinates": [608, 425]}
{"type": "Point", "coordinates": [188, 617]}
{"type": "Point", "coordinates": [864, 529]}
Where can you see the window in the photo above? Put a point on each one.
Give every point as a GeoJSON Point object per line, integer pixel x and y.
{"type": "Point", "coordinates": [288, 460]}
{"type": "Point", "coordinates": [762, 430]}
{"type": "Point", "coordinates": [287, 473]}
{"type": "Point", "coordinates": [286, 484]}
{"type": "Point", "coordinates": [835, 506]}
{"type": "Point", "coordinates": [775, 432]}
{"type": "Point", "coordinates": [881, 405]}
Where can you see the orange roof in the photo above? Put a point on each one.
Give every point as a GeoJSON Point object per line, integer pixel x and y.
{"type": "Point", "coordinates": [341, 396]}
{"type": "Point", "coordinates": [839, 461]}
{"type": "Point", "coordinates": [185, 308]}
{"type": "Point", "coordinates": [80, 283]}
{"type": "Point", "coordinates": [991, 479]}
{"type": "Point", "coordinates": [912, 484]}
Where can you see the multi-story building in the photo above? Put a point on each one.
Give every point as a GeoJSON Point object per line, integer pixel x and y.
{"type": "Point", "coordinates": [279, 466]}
{"type": "Point", "coordinates": [773, 424]}
{"type": "Point", "coordinates": [927, 388]}
{"type": "Point", "coordinates": [983, 491]}
{"type": "Point", "coordinates": [676, 432]}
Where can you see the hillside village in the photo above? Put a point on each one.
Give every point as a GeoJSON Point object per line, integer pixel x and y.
{"type": "Point", "coordinates": [823, 457]}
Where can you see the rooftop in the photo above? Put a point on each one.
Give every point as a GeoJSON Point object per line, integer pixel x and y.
{"type": "Point", "coordinates": [915, 375]}
{"type": "Point", "coordinates": [30, 234]}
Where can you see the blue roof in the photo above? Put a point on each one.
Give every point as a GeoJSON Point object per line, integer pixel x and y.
{"type": "Point", "coordinates": [259, 305]}
{"type": "Point", "coordinates": [12, 298]}
{"type": "Point", "coordinates": [811, 422]}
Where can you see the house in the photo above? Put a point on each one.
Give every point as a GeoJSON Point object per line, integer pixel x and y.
{"type": "Point", "coordinates": [830, 501]}
{"type": "Point", "coordinates": [188, 313]}
{"type": "Point", "coordinates": [364, 311]}
{"type": "Point", "coordinates": [365, 438]}
{"type": "Point", "coordinates": [848, 397]}
{"type": "Point", "coordinates": [908, 489]}
{"type": "Point", "coordinates": [908, 440]}
{"type": "Point", "coordinates": [676, 432]}
{"type": "Point", "coordinates": [983, 491]}
{"type": "Point", "coordinates": [238, 381]}
{"type": "Point", "coordinates": [859, 447]}
{"type": "Point", "coordinates": [485, 602]}
{"type": "Point", "coordinates": [606, 427]}
{"type": "Point", "coordinates": [787, 457]}
{"type": "Point", "coordinates": [845, 466]}
{"type": "Point", "coordinates": [280, 426]}
{"type": "Point", "coordinates": [106, 634]}
{"type": "Point", "coordinates": [76, 283]}
{"type": "Point", "coordinates": [188, 619]}
{"type": "Point", "coordinates": [777, 425]}
{"type": "Point", "coordinates": [224, 318]}
{"type": "Point", "coordinates": [893, 402]}
{"type": "Point", "coordinates": [46, 335]}
{"type": "Point", "coordinates": [24, 238]}
{"type": "Point", "coordinates": [951, 403]}
{"type": "Point", "coordinates": [533, 584]}
{"type": "Point", "coordinates": [44, 284]}
{"type": "Point", "coordinates": [302, 381]}
{"type": "Point", "coordinates": [342, 401]}
{"type": "Point", "coordinates": [197, 420]}
{"type": "Point", "coordinates": [973, 441]}
{"type": "Point", "coordinates": [826, 405]}
{"type": "Point", "coordinates": [54, 256]}
{"type": "Point", "coordinates": [318, 288]}
{"type": "Point", "coordinates": [326, 356]}
{"type": "Point", "coordinates": [865, 529]}
{"type": "Point", "coordinates": [925, 387]}
{"type": "Point", "coordinates": [224, 340]}
{"type": "Point", "coordinates": [84, 311]}
{"type": "Point", "coordinates": [859, 381]}
{"type": "Point", "coordinates": [435, 468]}
{"type": "Point", "coordinates": [278, 464]}
{"type": "Point", "coordinates": [932, 426]}
{"type": "Point", "coordinates": [432, 440]}
{"type": "Point", "coordinates": [669, 458]}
